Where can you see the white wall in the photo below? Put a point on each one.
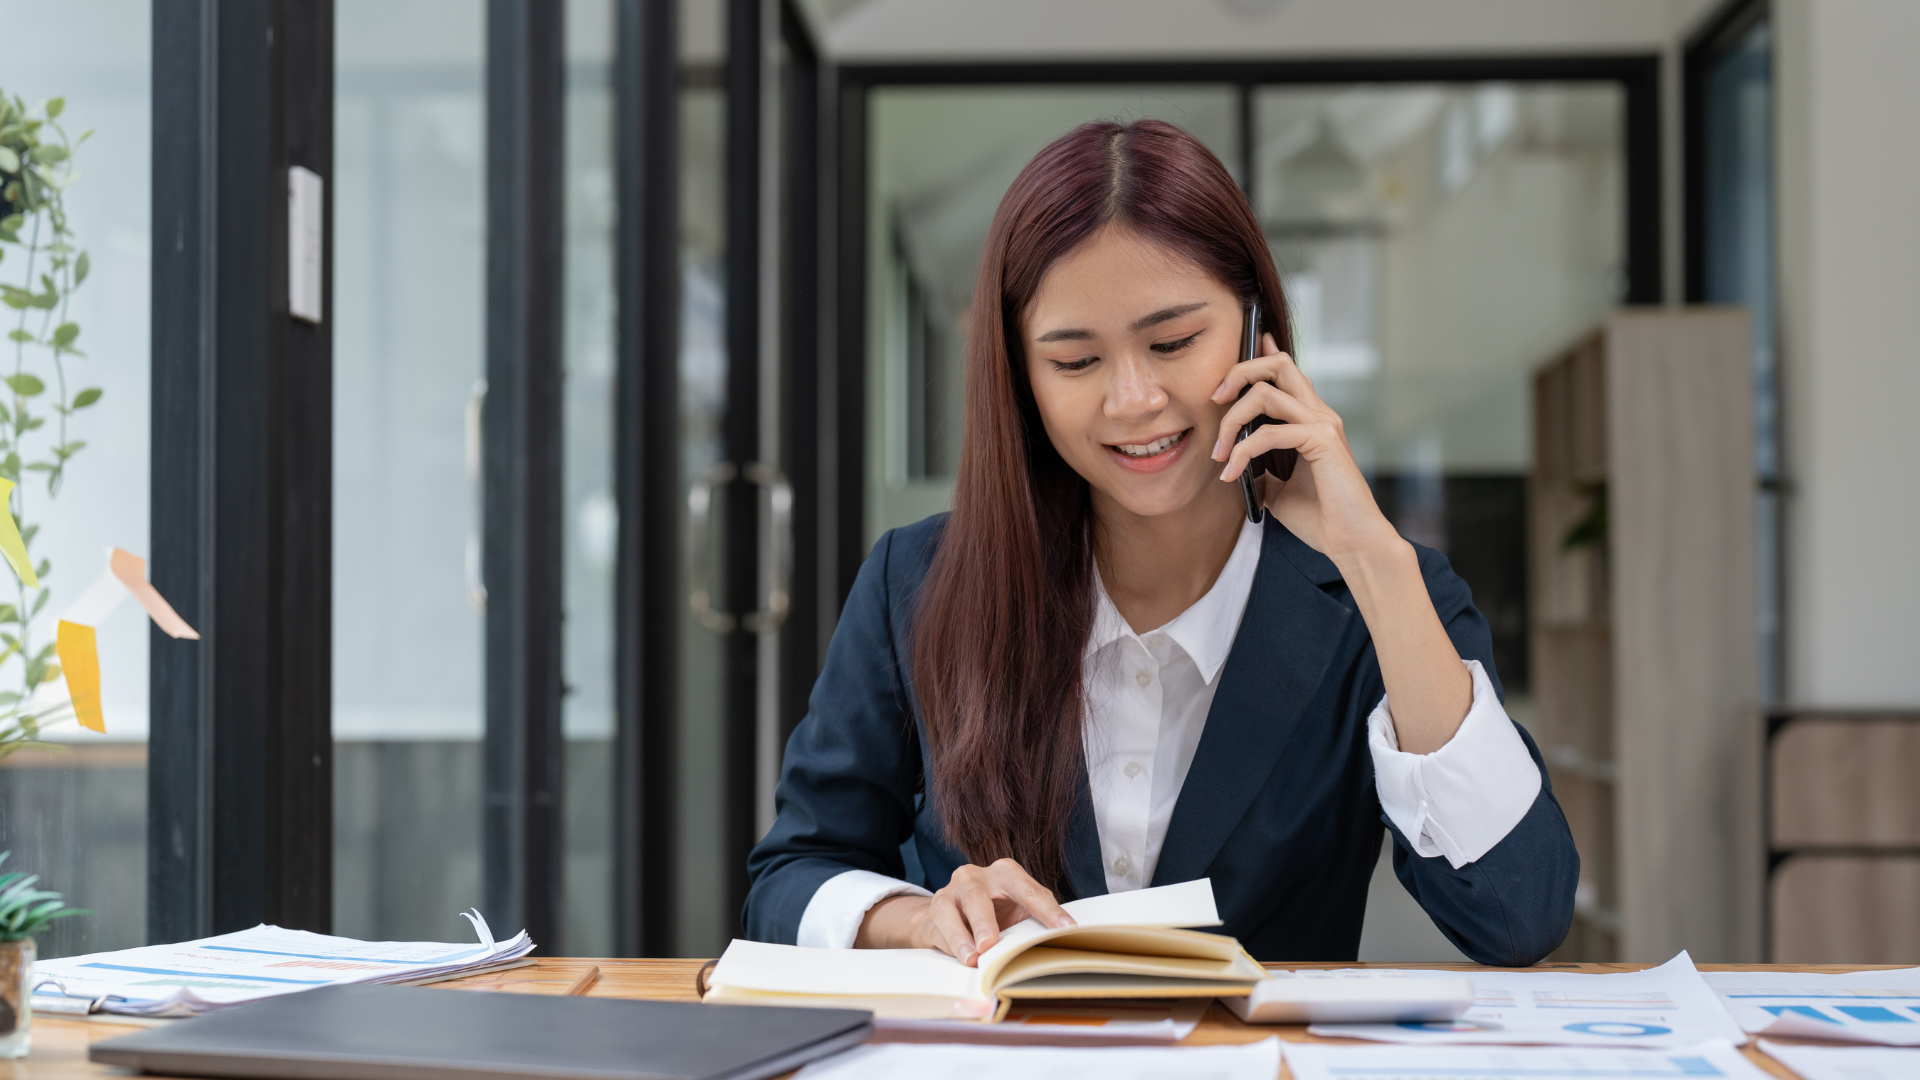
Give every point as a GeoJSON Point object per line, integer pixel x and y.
{"type": "Point", "coordinates": [1177, 29]}
{"type": "Point", "coordinates": [1849, 196]}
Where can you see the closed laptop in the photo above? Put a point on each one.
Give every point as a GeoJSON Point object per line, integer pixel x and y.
{"type": "Point", "coordinates": [365, 1032]}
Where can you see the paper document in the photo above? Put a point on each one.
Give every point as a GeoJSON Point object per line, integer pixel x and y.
{"type": "Point", "coordinates": [1704, 1061]}
{"type": "Point", "coordinates": [194, 977]}
{"type": "Point", "coordinates": [1662, 1007]}
{"type": "Point", "coordinates": [1252, 1061]}
{"type": "Point", "coordinates": [1846, 1062]}
{"type": "Point", "coordinates": [1073, 1023]}
{"type": "Point", "coordinates": [1862, 1006]}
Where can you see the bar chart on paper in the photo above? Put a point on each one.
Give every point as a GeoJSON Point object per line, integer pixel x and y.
{"type": "Point", "coordinates": [1863, 1006]}
{"type": "Point", "coordinates": [1705, 1061]}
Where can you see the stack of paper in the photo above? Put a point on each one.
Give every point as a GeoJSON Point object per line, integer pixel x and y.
{"type": "Point", "coordinates": [1252, 1061]}
{"type": "Point", "coordinates": [1859, 1006]}
{"type": "Point", "coordinates": [1667, 1006]}
{"type": "Point", "coordinates": [194, 977]}
{"type": "Point", "coordinates": [1846, 1062]}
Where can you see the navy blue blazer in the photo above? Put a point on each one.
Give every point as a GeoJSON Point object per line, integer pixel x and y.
{"type": "Point", "coordinates": [1279, 806]}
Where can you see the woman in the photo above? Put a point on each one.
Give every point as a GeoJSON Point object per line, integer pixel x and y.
{"type": "Point", "coordinates": [1097, 674]}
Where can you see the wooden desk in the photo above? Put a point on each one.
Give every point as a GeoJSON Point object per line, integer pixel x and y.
{"type": "Point", "coordinates": [60, 1045]}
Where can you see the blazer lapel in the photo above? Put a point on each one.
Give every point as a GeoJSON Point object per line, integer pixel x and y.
{"type": "Point", "coordinates": [1288, 637]}
{"type": "Point", "coordinates": [1084, 873]}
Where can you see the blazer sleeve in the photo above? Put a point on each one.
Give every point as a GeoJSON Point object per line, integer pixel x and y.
{"type": "Point", "coordinates": [1513, 905]}
{"type": "Point", "coordinates": [845, 799]}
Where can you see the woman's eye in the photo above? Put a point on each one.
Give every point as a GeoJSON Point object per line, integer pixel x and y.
{"type": "Point", "coordinates": [1074, 365]}
{"type": "Point", "coordinates": [1168, 347]}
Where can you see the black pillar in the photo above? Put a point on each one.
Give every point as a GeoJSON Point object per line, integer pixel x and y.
{"type": "Point", "coordinates": [521, 470]}
{"type": "Point", "coordinates": [240, 826]}
{"type": "Point", "coordinates": [648, 610]}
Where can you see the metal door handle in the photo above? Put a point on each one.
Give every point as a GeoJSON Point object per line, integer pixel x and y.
{"type": "Point", "coordinates": [776, 543]}
{"type": "Point", "coordinates": [700, 547]}
{"type": "Point", "coordinates": [475, 578]}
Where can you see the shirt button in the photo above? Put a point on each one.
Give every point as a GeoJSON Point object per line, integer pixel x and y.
{"type": "Point", "coordinates": [1122, 866]}
{"type": "Point", "coordinates": [1142, 678]}
{"type": "Point", "coordinates": [1132, 770]}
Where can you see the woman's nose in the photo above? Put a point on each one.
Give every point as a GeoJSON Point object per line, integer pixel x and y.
{"type": "Point", "coordinates": [1134, 391]}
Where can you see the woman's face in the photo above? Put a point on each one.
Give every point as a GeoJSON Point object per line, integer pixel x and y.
{"type": "Point", "coordinates": [1126, 342]}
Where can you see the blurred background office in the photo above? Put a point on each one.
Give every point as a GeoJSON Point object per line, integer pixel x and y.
{"type": "Point", "coordinates": [640, 320]}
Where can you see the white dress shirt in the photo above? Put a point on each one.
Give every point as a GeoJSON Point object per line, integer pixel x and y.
{"type": "Point", "coordinates": [1147, 699]}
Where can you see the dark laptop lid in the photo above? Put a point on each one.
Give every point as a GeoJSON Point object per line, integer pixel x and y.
{"type": "Point", "coordinates": [409, 1033]}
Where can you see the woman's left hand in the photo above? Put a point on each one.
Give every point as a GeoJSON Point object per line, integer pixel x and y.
{"type": "Point", "coordinates": [1326, 502]}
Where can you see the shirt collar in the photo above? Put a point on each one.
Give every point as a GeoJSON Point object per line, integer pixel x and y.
{"type": "Point", "coordinates": [1205, 630]}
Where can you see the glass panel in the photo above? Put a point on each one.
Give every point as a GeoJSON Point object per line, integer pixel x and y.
{"type": "Point", "coordinates": [76, 813]}
{"type": "Point", "coordinates": [941, 159]}
{"type": "Point", "coordinates": [409, 259]}
{"type": "Point", "coordinates": [592, 519]}
{"type": "Point", "coordinates": [1436, 244]}
{"type": "Point", "coordinates": [705, 922]}
{"type": "Point", "coordinates": [1739, 270]}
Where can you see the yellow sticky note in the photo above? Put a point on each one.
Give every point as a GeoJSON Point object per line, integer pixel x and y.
{"type": "Point", "coordinates": [11, 545]}
{"type": "Point", "coordinates": [80, 662]}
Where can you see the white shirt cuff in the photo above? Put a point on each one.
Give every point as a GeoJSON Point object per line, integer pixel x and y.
{"type": "Point", "coordinates": [1463, 798]}
{"type": "Point", "coordinates": [833, 917]}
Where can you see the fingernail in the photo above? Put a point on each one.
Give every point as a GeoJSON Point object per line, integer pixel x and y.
{"type": "Point", "coordinates": [1223, 472]}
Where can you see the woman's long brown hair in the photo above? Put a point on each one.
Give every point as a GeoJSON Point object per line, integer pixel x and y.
{"type": "Point", "coordinates": [1004, 615]}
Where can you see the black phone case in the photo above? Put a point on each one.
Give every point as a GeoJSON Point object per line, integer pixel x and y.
{"type": "Point", "coordinates": [1278, 462]}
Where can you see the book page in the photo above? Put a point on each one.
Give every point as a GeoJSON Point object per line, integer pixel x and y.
{"type": "Point", "coordinates": [1189, 903]}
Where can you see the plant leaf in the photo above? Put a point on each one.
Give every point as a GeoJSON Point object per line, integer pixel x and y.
{"type": "Point", "coordinates": [19, 335]}
{"type": "Point", "coordinates": [25, 385]}
{"type": "Point", "coordinates": [9, 161]}
{"type": "Point", "coordinates": [56, 106]}
{"type": "Point", "coordinates": [86, 397]}
{"type": "Point", "coordinates": [38, 603]}
{"type": "Point", "coordinates": [64, 334]}
{"type": "Point", "coordinates": [80, 268]}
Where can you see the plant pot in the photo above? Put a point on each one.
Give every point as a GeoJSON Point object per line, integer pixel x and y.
{"type": "Point", "coordinates": [16, 997]}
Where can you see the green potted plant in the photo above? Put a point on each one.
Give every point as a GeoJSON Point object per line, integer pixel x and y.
{"type": "Point", "coordinates": [24, 912]}
{"type": "Point", "coordinates": [41, 265]}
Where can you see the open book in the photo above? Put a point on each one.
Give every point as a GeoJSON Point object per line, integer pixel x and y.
{"type": "Point", "coordinates": [1126, 945]}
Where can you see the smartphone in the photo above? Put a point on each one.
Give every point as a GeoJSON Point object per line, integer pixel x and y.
{"type": "Point", "coordinates": [1278, 462]}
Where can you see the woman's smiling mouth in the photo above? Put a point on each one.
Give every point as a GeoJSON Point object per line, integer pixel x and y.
{"type": "Point", "coordinates": [1151, 456]}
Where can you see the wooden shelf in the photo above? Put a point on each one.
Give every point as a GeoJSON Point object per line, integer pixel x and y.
{"type": "Point", "coordinates": [1644, 641]}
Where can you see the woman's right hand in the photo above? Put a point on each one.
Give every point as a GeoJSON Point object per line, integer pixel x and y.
{"type": "Point", "coordinates": [964, 919]}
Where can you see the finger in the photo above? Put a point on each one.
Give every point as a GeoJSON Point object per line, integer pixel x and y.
{"type": "Point", "coordinates": [976, 906]}
{"type": "Point", "coordinates": [950, 933]}
{"type": "Point", "coordinates": [1289, 377]}
{"type": "Point", "coordinates": [1271, 437]}
{"type": "Point", "coordinates": [1272, 366]}
{"type": "Point", "coordinates": [1247, 372]}
{"type": "Point", "coordinates": [1264, 399]}
{"type": "Point", "coordinates": [1014, 883]}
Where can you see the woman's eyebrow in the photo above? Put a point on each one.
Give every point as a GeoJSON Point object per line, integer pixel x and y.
{"type": "Point", "coordinates": [1164, 314]}
{"type": "Point", "coordinates": [1154, 319]}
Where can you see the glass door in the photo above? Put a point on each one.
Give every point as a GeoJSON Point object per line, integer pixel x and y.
{"type": "Point", "coordinates": [409, 356]}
